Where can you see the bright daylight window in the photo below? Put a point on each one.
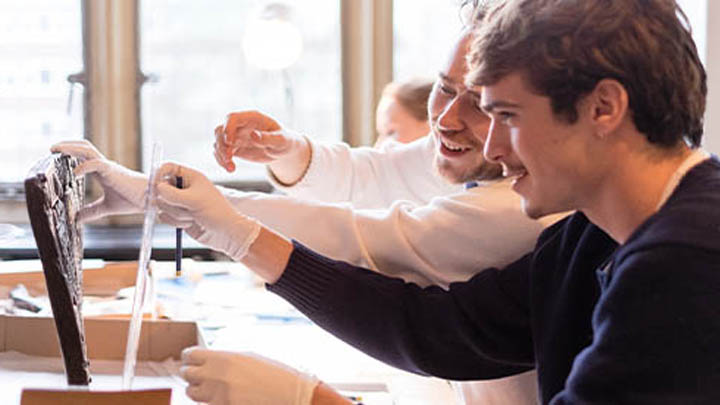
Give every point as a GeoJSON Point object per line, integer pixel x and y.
{"type": "Point", "coordinates": [423, 33]}
{"type": "Point", "coordinates": [212, 58]}
{"type": "Point", "coordinates": [40, 45]}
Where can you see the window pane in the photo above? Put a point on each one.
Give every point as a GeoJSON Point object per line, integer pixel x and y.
{"type": "Point", "coordinates": [40, 45]}
{"type": "Point", "coordinates": [423, 31]}
{"type": "Point", "coordinates": [196, 51]}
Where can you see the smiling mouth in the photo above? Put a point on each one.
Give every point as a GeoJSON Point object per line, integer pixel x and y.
{"type": "Point", "coordinates": [515, 173]}
{"type": "Point", "coordinates": [452, 149]}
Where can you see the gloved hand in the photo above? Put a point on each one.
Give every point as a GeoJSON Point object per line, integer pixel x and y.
{"type": "Point", "coordinates": [256, 137]}
{"type": "Point", "coordinates": [201, 209]}
{"type": "Point", "coordinates": [227, 378]}
{"type": "Point", "coordinates": [123, 189]}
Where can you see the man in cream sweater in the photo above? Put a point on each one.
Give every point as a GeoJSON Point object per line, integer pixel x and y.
{"type": "Point", "coordinates": [403, 210]}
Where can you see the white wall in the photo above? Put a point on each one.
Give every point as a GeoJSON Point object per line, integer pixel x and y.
{"type": "Point", "coordinates": [701, 13]}
{"type": "Point", "coordinates": [696, 11]}
{"type": "Point", "coordinates": [712, 116]}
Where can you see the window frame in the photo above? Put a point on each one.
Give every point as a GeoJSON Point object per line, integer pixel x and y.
{"type": "Point", "coordinates": [112, 37]}
{"type": "Point", "coordinates": [112, 81]}
{"type": "Point", "coordinates": [110, 32]}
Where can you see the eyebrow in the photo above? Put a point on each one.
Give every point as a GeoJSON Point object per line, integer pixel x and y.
{"type": "Point", "coordinates": [445, 77]}
{"type": "Point", "coordinates": [489, 107]}
{"type": "Point", "coordinates": [474, 92]}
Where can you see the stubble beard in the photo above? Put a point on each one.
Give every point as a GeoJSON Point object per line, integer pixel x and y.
{"type": "Point", "coordinates": [483, 171]}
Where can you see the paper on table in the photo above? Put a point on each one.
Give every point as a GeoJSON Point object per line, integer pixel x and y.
{"type": "Point", "coordinates": [10, 232]}
{"type": "Point", "coordinates": [143, 276]}
{"type": "Point", "coordinates": [18, 371]}
{"type": "Point", "coordinates": [35, 265]}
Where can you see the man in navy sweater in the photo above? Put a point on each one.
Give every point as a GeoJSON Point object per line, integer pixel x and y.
{"type": "Point", "coordinates": [596, 106]}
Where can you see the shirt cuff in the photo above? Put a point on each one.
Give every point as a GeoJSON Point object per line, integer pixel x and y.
{"type": "Point", "coordinates": [305, 179]}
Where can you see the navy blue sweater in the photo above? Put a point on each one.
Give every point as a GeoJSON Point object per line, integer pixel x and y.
{"type": "Point", "coordinates": [638, 323]}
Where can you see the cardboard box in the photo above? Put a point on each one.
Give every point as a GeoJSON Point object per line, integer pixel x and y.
{"type": "Point", "coordinates": [106, 338]}
{"type": "Point", "coordinates": [54, 397]}
{"type": "Point", "coordinates": [103, 279]}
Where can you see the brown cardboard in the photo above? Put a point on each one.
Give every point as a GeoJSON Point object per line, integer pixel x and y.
{"type": "Point", "coordinates": [2, 334]}
{"type": "Point", "coordinates": [106, 338]}
{"type": "Point", "coordinates": [56, 397]}
{"type": "Point", "coordinates": [106, 280]}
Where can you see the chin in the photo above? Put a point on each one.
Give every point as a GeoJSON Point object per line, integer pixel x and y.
{"type": "Point", "coordinates": [459, 174]}
{"type": "Point", "coordinates": [446, 170]}
{"type": "Point", "coordinates": [536, 211]}
{"type": "Point", "coordinates": [533, 213]}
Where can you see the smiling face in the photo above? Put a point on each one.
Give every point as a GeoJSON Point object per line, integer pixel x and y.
{"type": "Point", "coordinates": [549, 159]}
{"type": "Point", "coordinates": [457, 124]}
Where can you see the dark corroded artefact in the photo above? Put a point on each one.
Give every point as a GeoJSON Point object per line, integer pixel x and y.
{"type": "Point", "coordinates": [54, 196]}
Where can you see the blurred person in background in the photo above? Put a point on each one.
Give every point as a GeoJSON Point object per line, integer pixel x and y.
{"type": "Point", "coordinates": [401, 114]}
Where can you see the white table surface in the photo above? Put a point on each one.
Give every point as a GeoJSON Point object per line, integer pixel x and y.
{"type": "Point", "coordinates": [236, 313]}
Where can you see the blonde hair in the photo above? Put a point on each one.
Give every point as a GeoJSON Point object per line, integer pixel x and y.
{"type": "Point", "coordinates": [412, 95]}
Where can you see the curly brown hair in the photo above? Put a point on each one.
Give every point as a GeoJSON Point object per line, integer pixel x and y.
{"type": "Point", "coordinates": [565, 47]}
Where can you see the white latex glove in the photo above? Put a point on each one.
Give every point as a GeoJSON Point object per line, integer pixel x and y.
{"type": "Point", "coordinates": [201, 209]}
{"type": "Point", "coordinates": [227, 378]}
{"type": "Point", "coordinates": [254, 136]}
{"type": "Point", "coordinates": [123, 189]}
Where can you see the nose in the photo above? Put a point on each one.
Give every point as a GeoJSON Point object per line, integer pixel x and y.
{"type": "Point", "coordinates": [450, 119]}
{"type": "Point", "coordinates": [497, 143]}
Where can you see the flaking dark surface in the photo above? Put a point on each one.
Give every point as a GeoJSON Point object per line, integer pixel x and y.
{"type": "Point", "coordinates": [54, 195]}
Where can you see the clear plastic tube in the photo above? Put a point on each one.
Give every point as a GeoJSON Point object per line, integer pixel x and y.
{"type": "Point", "coordinates": [143, 279]}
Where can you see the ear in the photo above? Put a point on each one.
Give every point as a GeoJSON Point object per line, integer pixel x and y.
{"type": "Point", "coordinates": [608, 104]}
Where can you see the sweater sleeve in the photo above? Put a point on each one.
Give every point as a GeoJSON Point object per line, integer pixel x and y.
{"type": "Point", "coordinates": [656, 333]}
{"type": "Point", "coordinates": [369, 177]}
{"type": "Point", "coordinates": [476, 330]}
{"type": "Point", "coordinates": [444, 241]}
